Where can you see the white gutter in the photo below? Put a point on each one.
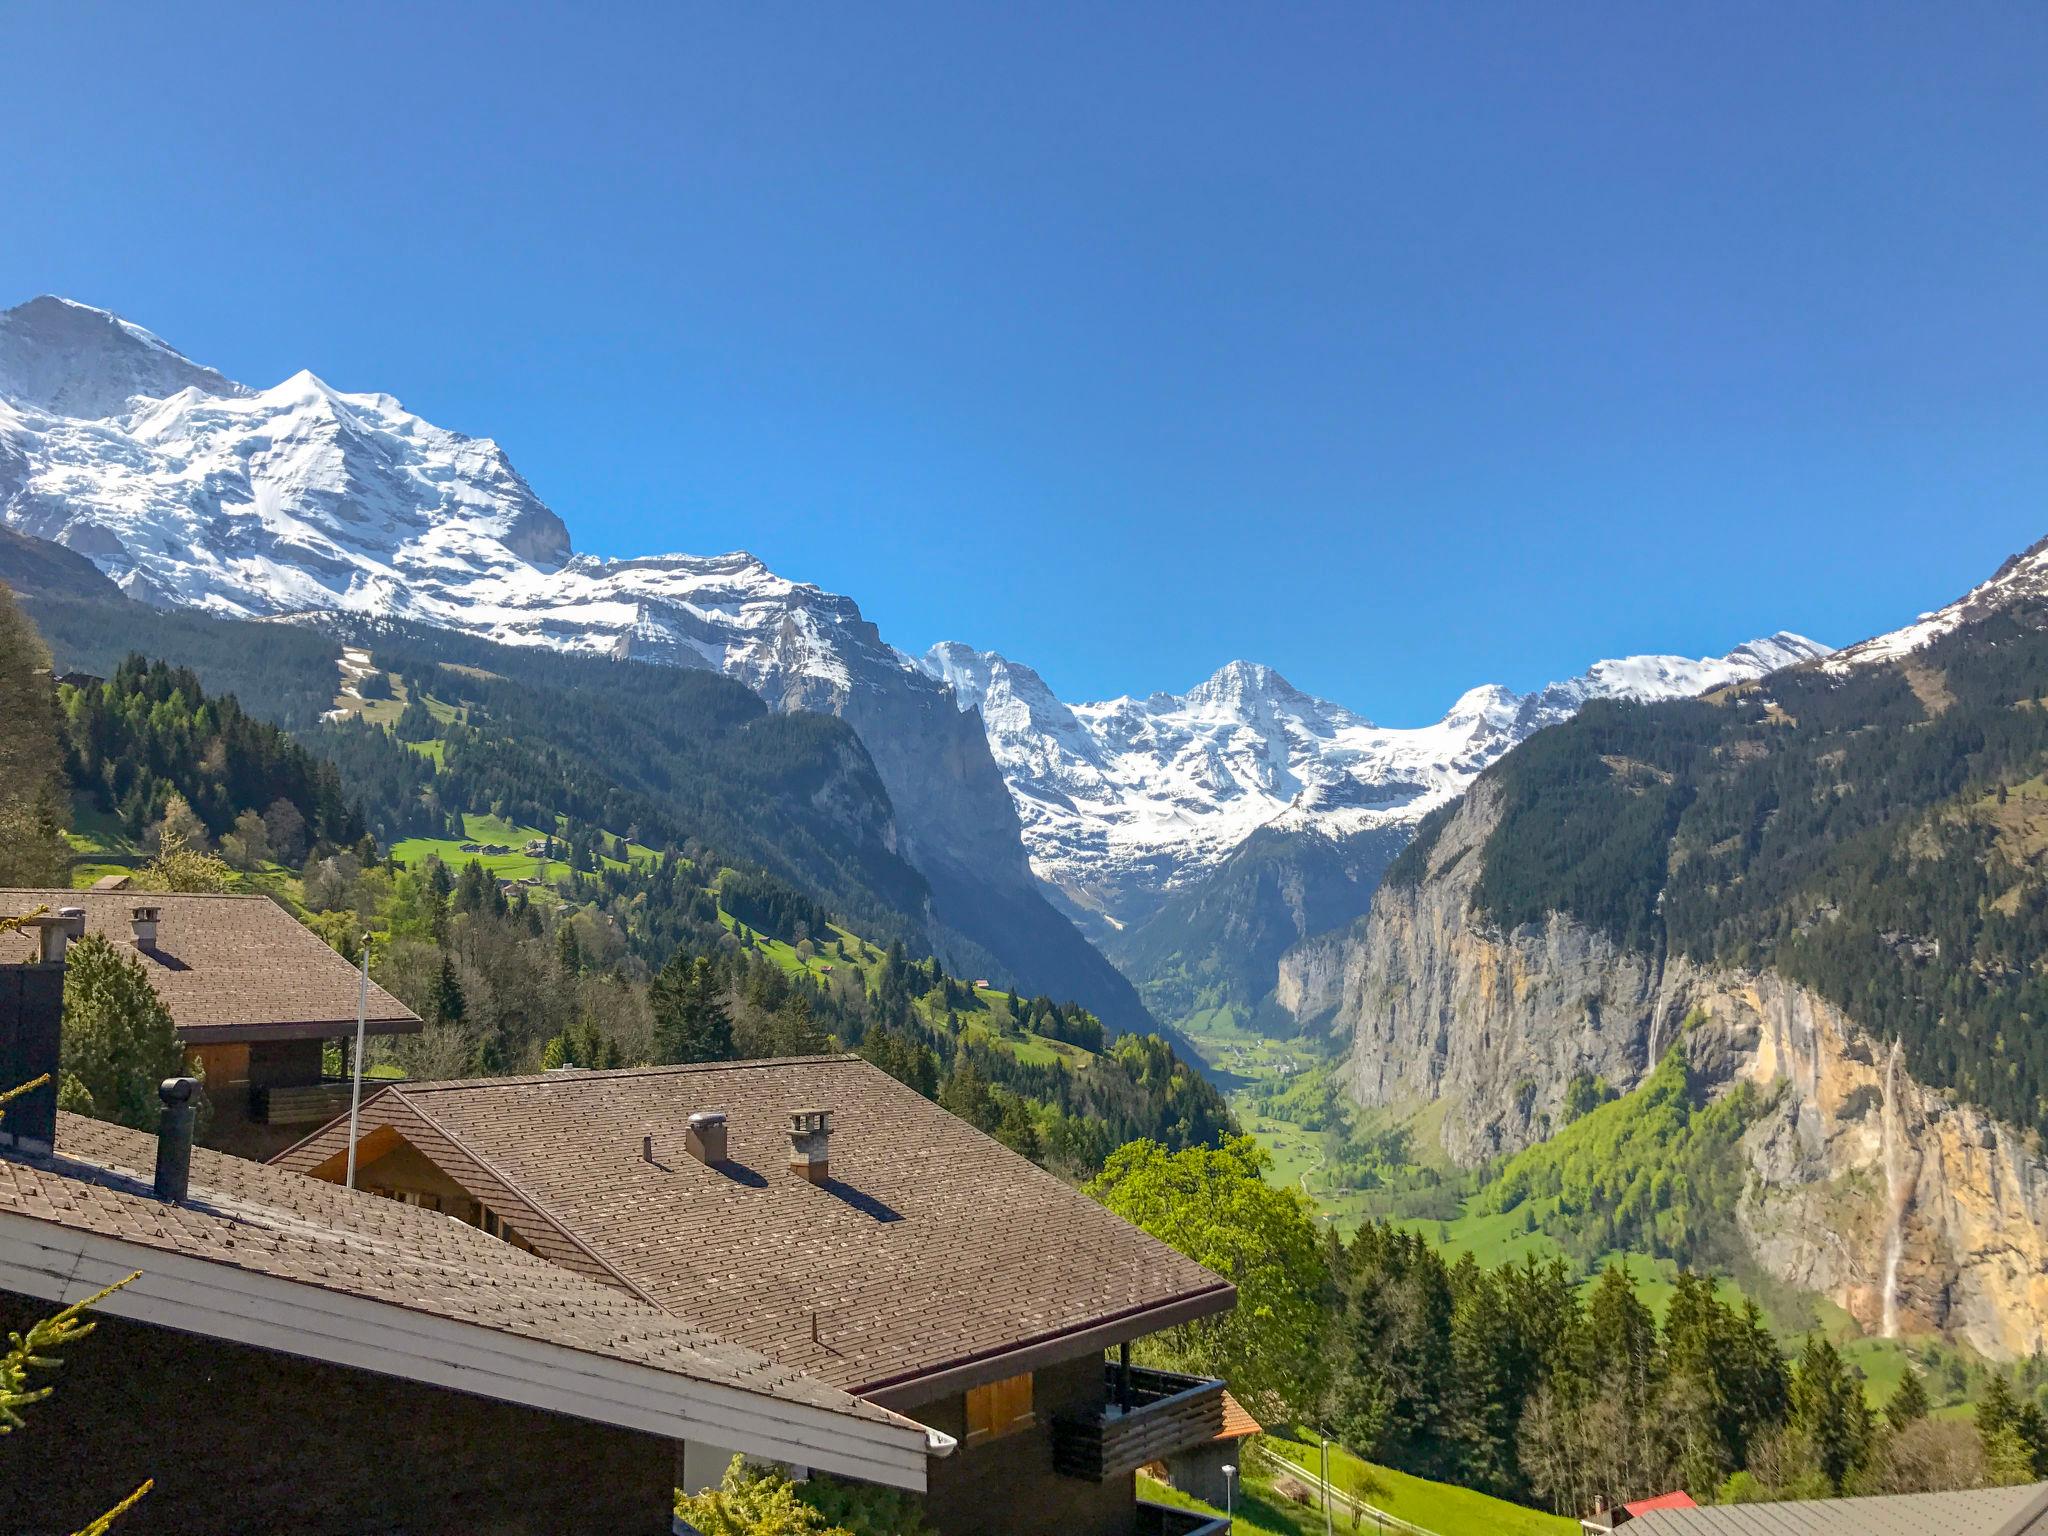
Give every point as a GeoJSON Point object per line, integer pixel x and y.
{"type": "Point", "coordinates": [61, 1264]}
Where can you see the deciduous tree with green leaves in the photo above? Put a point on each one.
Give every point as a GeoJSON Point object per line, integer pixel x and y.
{"type": "Point", "coordinates": [1215, 1206]}
{"type": "Point", "coordinates": [760, 1501]}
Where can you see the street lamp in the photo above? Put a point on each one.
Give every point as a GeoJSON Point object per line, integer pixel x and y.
{"type": "Point", "coordinates": [1326, 1481]}
{"type": "Point", "coordinates": [1230, 1495]}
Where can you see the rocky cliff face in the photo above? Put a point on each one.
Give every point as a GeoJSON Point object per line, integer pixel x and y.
{"type": "Point", "coordinates": [1911, 1211]}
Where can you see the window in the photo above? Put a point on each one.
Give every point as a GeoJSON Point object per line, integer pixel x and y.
{"type": "Point", "coordinates": [1000, 1408]}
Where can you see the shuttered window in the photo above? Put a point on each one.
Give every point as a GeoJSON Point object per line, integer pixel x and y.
{"type": "Point", "coordinates": [1000, 1408]}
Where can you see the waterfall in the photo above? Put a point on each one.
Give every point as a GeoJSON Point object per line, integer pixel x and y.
{"type": "Point", "coordinates": [1896, 1191]}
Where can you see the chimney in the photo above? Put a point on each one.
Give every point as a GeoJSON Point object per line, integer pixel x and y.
{"type": "Point", "coordinates": [58, 932]}
{"type": "Point", "coordinates": [706, 1141]}
{"type": "Point", "coordinates": [174, 1138]}
{"type": "Point", "coordinates": [145, 919]}
{"type": "Point", "coordinates": [31, 1032]}
{"type": "Point", "coordinates": [810, 1137]}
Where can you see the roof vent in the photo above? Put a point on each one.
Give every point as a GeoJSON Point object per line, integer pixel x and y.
{"type": "Point", "coordinates": [706, 1141]}
{"type": "Point", "coordinates": [810, 1137]}
{"type": "Point", "coordinates": [145, 920]}
{"type": "Point", "coordinates": [174, 1138]}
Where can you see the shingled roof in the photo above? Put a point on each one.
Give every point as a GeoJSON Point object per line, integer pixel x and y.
{"type": "Point", "coordinates": [229, 968]}
{"type": "Point", "coordinates": [932, 1250]}
{"type": "Point", "coordinates": [2015, 1511]}
{"type": "Point", "coordinates": [74, 1220]}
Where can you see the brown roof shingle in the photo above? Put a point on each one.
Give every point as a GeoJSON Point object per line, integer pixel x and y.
{"type": "Point", "coordinates": [265, 1220]}
{"type": "Point", "coordinates": [932, 1245]}
{"type": "Point", "coordinates": [229, 968]}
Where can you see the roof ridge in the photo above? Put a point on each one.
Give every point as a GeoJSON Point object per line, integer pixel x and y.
{"type": "Point", "coordinates": [587, 1074]}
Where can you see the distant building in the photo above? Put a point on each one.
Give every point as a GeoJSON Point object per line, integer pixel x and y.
{"type": "Point", "coordinates": [254, 993]}
{"type": "Point", "coordinates": [1604, 1520]}
{"type": "Point", "coordinates": [1198, 1470]}
{"type": "Point", "coordinates": [2020, 1511]}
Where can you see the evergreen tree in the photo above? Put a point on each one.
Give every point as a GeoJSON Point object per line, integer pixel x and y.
{"type": "Point", "coordinates": [448, 1005]}
{"type": "Point", "coordinates": [691, 1022]}
{"type": "Point", "coordinates": [119, 1042]}
{"type": "Point", "coordinates": [1018, 1130]}
{"type": "Point", "coordinates": [1829, 1409]}
{"type": "Point", "coordinates": [1909, 1403]}
{"type": "Point", "coordinates": [965, 1093]}
{"type": "Point", "coordinates": [34, 806]}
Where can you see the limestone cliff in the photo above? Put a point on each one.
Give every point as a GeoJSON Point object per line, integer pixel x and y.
{"type": "Point", "coordinates": [1913, 1212]}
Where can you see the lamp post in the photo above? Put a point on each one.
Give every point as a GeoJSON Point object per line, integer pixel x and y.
{"type": "Point", "coordinates": [1230, 1495]}
{"type": "Point", "coordinates": [355, 1092]}
{"type": "Point", "coordinates": [1326, 1481]}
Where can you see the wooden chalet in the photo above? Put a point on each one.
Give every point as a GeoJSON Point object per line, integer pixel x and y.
{"type": "Point", "coordinates": [822, 1214]}
{"type": "Point", "coordinates": [255, 995]}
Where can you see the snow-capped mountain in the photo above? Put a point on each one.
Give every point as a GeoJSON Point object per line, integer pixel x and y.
{"type": "Point", "coordinates": [1127, 800]}
{"type": "Point", "coordinates": [2022, 577]}
{"type": "Point", "coordinates": [190, 489]}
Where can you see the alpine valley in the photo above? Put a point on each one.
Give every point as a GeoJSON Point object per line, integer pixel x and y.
{"type": "Point", "coordinates": [1193, 837]}
{"type": "Point", "coordinates": [1734, 961]}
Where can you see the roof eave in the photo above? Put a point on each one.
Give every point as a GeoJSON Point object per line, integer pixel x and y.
{"type": "Point", "coordinates": [297, 1029]}
{"type": "Point", "coordinates": [946, 1377]}
{"type": "Point", "coordinates": [52, 1262]}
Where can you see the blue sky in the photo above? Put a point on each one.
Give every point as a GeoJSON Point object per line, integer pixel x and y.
{"type": "Point", "coordinates": [1402, 347]}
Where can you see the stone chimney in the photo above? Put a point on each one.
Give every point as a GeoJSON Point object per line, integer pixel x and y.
{"type": "Point", "coordinates": [58, 933]}
{"type": "Point", "coordinates": [810, 1138]}
{"type": "Point", "coordinates": [145, 920]}
{"type": "Point", "coordinates": [706, 1138]}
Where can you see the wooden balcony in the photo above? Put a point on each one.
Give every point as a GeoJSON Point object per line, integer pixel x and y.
{"type": "Point", "coordinates": [1168, 1412]}
{"type": "Point", "coordinates": [302, 1103]}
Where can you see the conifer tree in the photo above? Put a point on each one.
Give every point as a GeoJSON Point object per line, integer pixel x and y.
{"type": "Point", "coordinates": [691, 1021]}
{"type": "Point", "coordinates": [119, 1042]}
{"type": "Point", "coordinates": [34, 805]}
{"type": "Point", "coordinates": [1909, 1403]}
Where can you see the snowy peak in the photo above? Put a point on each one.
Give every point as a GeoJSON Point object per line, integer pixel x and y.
{"type": "Point", "coordinates": [186, 487]}
{"type": "Point", "coordinates": [1126, 800]}
{"type": "Point", "coordinates": [64, 358]}
{"type": "Point", "coordinates": [2023, 577]}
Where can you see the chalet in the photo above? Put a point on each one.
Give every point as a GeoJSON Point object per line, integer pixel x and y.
{"type": "Point", "coordinates": [2017, 1511]}
{"type": "Point", "coordinates": [821, 1214]}
{"type": "Point", "coordinates": [291, 1355]}
{"type": "Point", "coordinates": [255, 995]}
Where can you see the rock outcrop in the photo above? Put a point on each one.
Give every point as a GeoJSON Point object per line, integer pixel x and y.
{"type": "Point", "coordinates": [1915, 1213]}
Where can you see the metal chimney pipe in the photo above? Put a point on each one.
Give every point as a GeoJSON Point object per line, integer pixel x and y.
{"type": "Point", "coordinates": [174, 1138]}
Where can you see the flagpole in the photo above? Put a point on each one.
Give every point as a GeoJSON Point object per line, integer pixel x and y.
{"type": "Point", "coordinates": [355, 1096]}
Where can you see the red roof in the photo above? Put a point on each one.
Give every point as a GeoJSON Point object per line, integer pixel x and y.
{"type": "Point", "coordinates": [1237, 1424]}
{"type": "Point", "coordinates": [1678, 1498]}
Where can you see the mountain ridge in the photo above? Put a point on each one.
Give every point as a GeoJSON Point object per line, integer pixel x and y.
{"type": "Point", "coordinates": [1036, 820]}
{"type": "Point", "coordinates": [304, 499]}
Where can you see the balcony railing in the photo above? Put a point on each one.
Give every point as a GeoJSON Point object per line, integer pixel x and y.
{"type": "Point", "coordinates": [1168, 1412]}
{"type": "Point", "coordinates": [302, 1103]}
